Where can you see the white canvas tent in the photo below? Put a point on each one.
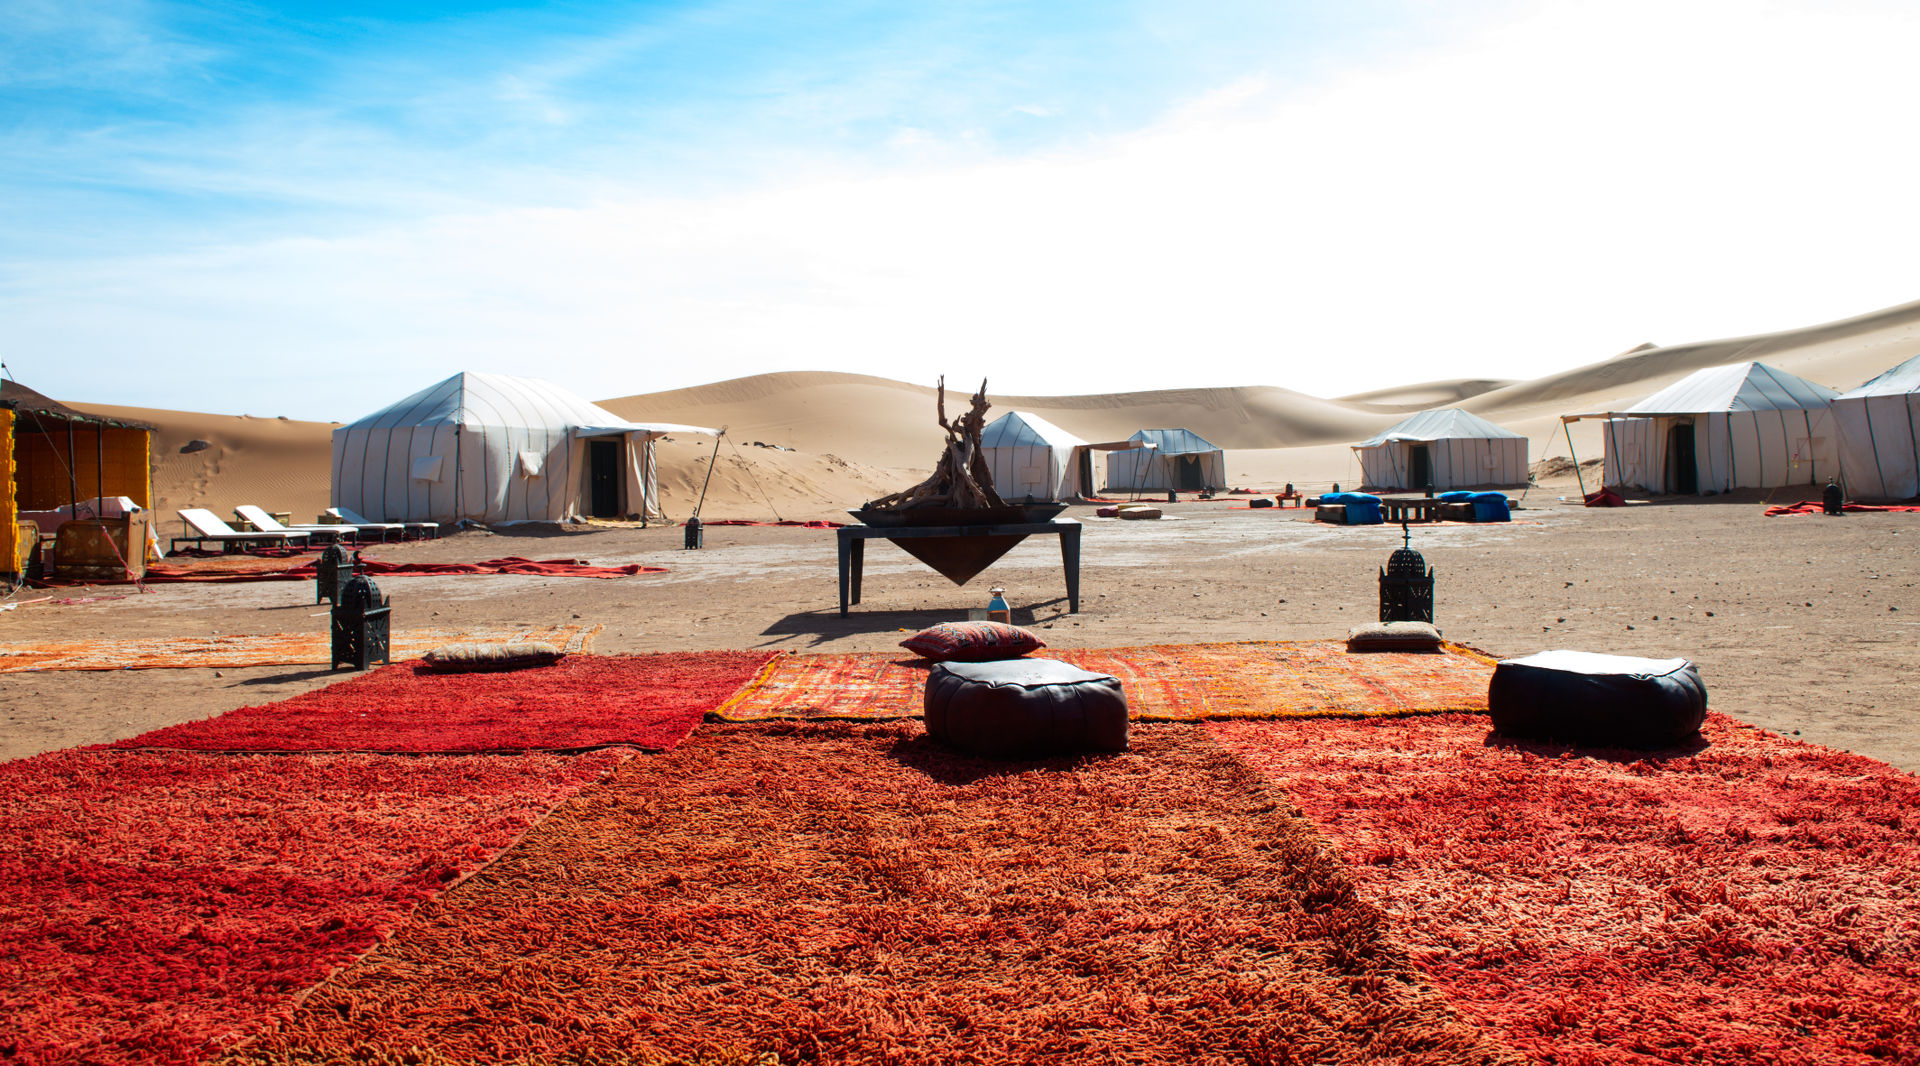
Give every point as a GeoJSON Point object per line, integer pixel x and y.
{"type": "Point", "coordinates": [1454, 448]}
{"type": "Point", "coordinates": [1879, 447]}
{"type": "Point", "coordinates": [1740, 426]}
{"type": "Point", "coordinates": [1031, 457]}
{"type": "Point", "coordinates": [494, 448]}
{"type": "Point", "coordinates": [1167, 460]}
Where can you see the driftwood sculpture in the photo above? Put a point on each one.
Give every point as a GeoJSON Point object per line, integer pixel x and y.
{"type": "Point", "coordinates": [961, 478]}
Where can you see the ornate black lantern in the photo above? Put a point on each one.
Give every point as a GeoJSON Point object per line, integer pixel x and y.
{"type": "Point", "coordinates": [695, 535]}
{"type": "Point", "coordinates": [360, 625]}
{"type": "Point", "coordinates": [1406, 584]}
{"type": "Point", "coordinates": [334, 566]}
{"type": "Point", "coordinates": [1833, 499]}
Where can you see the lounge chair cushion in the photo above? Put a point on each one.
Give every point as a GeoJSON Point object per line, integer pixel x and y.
{"type": "Point", "coordinates": [1393, 636]}
{"type": "Point", "coordinates": [1601, 700]}
{"type": "Point", "coordinates": [469, 658]}
{"type": "Point", "coordinates": [972, 642]}
{"type": "Point", "coordinates": [1025, 708]}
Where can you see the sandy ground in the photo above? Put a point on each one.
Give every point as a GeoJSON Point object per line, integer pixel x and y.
{"type": "Point", "coordinates": [1800, 624]}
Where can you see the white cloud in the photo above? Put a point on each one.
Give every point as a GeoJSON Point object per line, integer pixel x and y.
{"type": "Point", "coordinates": [1547, 193]}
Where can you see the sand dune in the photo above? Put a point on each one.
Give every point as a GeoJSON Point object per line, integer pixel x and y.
{"type": "Point", "coordinates": [845, 438]}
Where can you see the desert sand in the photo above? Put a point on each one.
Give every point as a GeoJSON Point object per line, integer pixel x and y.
{"type": "Point", "coordinates": [1798, 623]}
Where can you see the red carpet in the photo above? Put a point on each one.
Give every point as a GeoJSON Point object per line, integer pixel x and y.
{"type": "Point", "coordinates": [155, 907]}
{"type": "Point", "coordinates": [1814, 507]}
{"type": "Point", "coordinates": [854, 894]}
{"type": "Point", "coordinates": [1758, 901]}
{"type": "Point", "coordinates": [583, 701]}
{"type": "Point", "coordinates": [238, 568]}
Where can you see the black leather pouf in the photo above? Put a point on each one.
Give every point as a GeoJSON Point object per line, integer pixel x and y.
{"type": "Point", "coordinates": [1614, 701]}
{"type": "Point", "coordinates": [1025, 708]}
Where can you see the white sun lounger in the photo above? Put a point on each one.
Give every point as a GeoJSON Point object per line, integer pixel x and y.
{"type": "Point", "coordinates": [203, 525]}
{"type": "Point", "coordinates": [418, 529]}
{"type": "Point", "coordinates": [259, 519]}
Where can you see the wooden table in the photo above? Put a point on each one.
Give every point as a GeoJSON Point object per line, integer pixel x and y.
{"type": "Point", "coordinates": [853, 549]}
{"type": "Point", "coordinates": [1420, 509]}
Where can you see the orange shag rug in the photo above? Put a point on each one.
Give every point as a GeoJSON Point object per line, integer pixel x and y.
{"type": "Point", "coordinates": [1172, 682]}
{"type": "Point", "coordinates": [156, 907]}
{"type": "Point", "coordinates": [1754, 901]}
{"type": "Point", "coordinates": [852, 893]}
{"type": "Point", "coordinates": [272, 649]}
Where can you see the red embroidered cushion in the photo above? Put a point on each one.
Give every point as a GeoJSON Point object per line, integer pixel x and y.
{"type": "Point", "coordinates": [972, 642]}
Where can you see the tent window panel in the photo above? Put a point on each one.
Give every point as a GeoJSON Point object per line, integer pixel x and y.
{"type": "Point", "coordinates": [427, 468]}
{"type": "Point", "coordinates": [530, 464]}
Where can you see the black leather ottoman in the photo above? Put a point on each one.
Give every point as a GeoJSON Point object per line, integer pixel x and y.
{"type": "Point", "coordinates": [1615, 701]}
{"type": "Point", "coordinates": [1025, 708]}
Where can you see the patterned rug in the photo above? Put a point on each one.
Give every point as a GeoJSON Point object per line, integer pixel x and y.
{"type": "Point", "coordinates": [272, 649]}
{"type": "Point", "coordinates": [1171, 683]}
{"type": "Point", "coordinates": [1752, 899]}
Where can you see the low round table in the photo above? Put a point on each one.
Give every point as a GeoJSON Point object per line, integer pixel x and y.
{"type": "Point", "coordinates": [1025, 708]}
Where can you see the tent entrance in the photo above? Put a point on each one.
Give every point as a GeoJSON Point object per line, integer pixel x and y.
{"type": "Point", "coordinates": [1419, 467]}
{"type": "Point", "coordinates": [1192, 478]}
{"type": "Point", "coordinates": [603, 478]}
{"type": "Point", "coordinates": [1683, 472]}
{"type": "Point", "coordinates": [1084, 470]}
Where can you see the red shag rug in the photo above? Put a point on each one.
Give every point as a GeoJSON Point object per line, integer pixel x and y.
{"type": "Point", "coordinates": [855, 894]}
{"type": "Point", "coordinates": [229, 568]}
{"type": "Point", "coordinates": [156, 907]}
{"type": "Point", "coordinates": [583, 701]}
{"type": "Point", "coordinates": [1815, 507]}
{"type": "Point", "coordinates": [1757, 901]}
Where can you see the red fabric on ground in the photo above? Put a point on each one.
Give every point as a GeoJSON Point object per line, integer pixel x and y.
{"type": "Point", "coordinates": [306, 571]}
{"type": "Point", "coordinates": [1604, 497]}
{"type": "Point", "coordinates": [815, 524]}
{"type": "Point", "coordinates": [1756, 901]}
{"type": "Point", "coordinates": [583, 701]}
{"type": "Point", "coordinates": [156, 907]}
{"type": "Point", "coordinates": [1815, 507]}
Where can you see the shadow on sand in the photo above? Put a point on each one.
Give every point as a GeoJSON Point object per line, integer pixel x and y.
{"type": "Point", "coordinates": [829, 624]}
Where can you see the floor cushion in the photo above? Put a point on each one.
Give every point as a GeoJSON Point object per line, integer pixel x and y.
{"type": "Point", "coordinates": [972, 642]}
{"type": "Point", "coordinates": [471, 658]}
{"type": "Point", "coordinates": [1393, 636]}
{"type": "Point", "coordinates": [1599, 700]}
{"type": "Point", "coordinates": [1025, 708]}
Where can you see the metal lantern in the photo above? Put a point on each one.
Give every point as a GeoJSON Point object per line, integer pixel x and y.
{"type": "Point", "coordinates": [1406, 584]}
{"type": "Point", "coordinates": [695, 535]}
{"type": "Point", "coordinates": [1833, 499]}
{"type": "Point", "coordinates": [333, 567]}
{"type": "Point", "coordinates": [361, 625]}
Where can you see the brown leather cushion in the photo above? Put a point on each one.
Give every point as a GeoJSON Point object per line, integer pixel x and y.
{"type": "Point", "coordinates": [1025, 708]}
{"type": "Point", "coordinates": [464, 658]}
{"type": "Point", "coordinates": [1393, 636]}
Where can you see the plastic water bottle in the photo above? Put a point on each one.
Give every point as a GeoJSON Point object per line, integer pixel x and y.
{"type": "Point", "coordinates": [997, 609]}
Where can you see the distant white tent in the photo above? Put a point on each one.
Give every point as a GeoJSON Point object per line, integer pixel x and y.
{"type": "Point", "coordinates": [494, 448]}
{"type": "Point", "coordinates": [1031, 457]}
{"type": "Point", "coordinates": [1454, 448]}
{"type": "Point", "coordinates": [1879, 448]}
{"type": "Point", "coordinates": [1745, 425]}
{"type": "Point", "coordinates": [1167, 459]}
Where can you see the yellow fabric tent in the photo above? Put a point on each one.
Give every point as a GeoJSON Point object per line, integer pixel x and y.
{"type": "Point", "coordinates": [52, 456]}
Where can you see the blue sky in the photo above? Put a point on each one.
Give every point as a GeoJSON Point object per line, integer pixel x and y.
{"type": "Point", "coordinates": [222, 207]}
